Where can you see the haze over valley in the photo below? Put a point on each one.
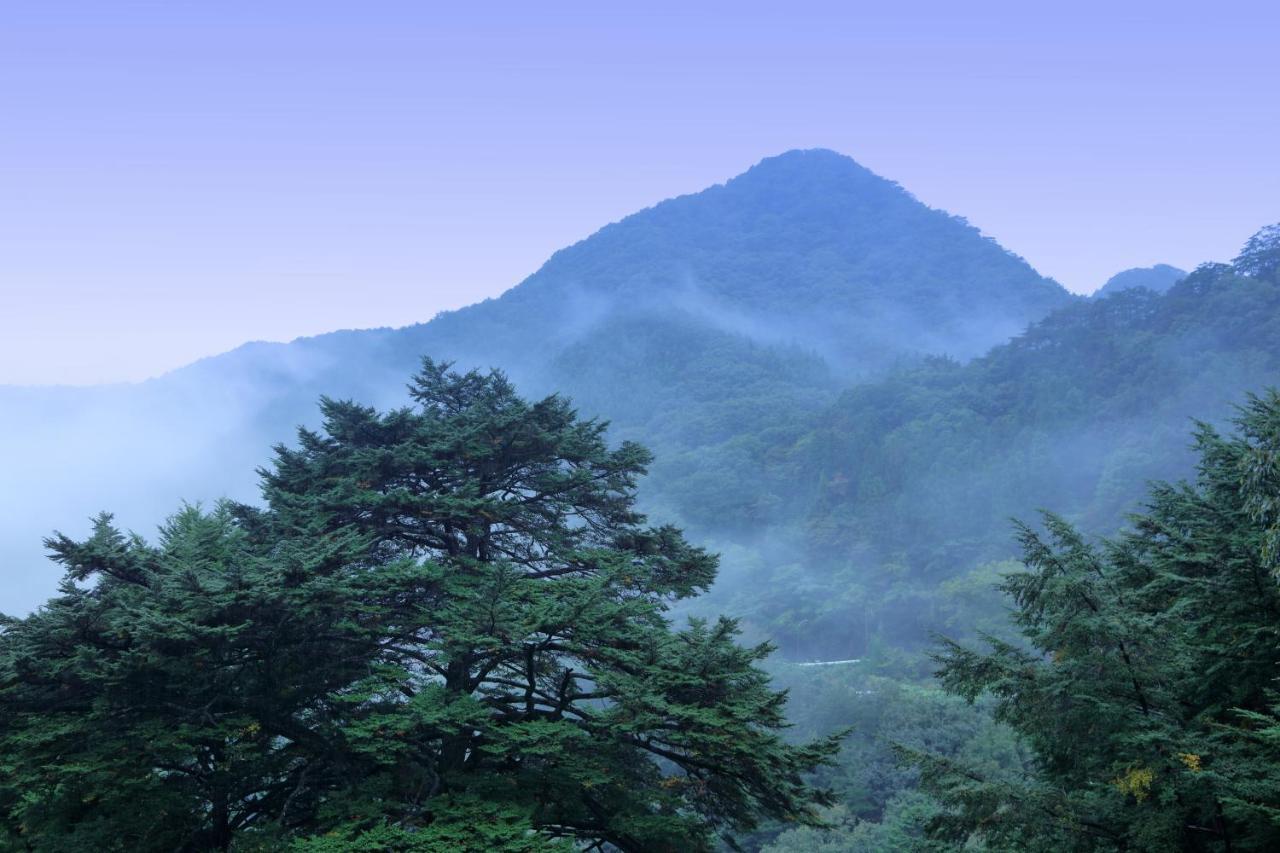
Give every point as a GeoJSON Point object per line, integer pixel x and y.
{"type": "Point", "coordinates": [848, 396]}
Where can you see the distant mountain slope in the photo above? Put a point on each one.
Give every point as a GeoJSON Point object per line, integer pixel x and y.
{"type": "Point", "coordinates": [1075, 414]}
{"type": "Point", "coordinates": [907, 483]}
{"type": "Point", "coordinates": [698, 325]}
{"type": "Point", "coordinates": [807, 247]}
{"type": "Point", "coordinates": [1158, 278]}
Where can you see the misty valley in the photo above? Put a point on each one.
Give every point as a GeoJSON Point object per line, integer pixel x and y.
{"type": "Point", "coordinates": [789, 515]}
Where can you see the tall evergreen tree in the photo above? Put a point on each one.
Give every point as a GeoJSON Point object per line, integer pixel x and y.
{"type": "Point", "coordinates": [1147, 683]}
{"type": "Point", "coordinates": [446, 629]}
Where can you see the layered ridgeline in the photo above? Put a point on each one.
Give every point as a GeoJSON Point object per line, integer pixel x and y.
{"type": "Point", "coordinates": [898, 502]}
{"type": "Point", "coordinates": [713, 326]}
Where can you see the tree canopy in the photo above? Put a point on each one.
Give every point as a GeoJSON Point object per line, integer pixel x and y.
{"type": "Point", "coordinates": [1147, 681]}
{"type": "Point", "coordinates": [445, 629]}
{"type": "Point", "coordinates": [1261, 255]}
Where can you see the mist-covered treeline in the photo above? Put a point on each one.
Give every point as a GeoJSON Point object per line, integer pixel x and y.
{"type": "Point", "coordinates": [848, 396]}
{"type": "Point", "coordinates": [445, 630]}
{"type": "Point", "coordinates": [707, 321]}
{"type": "Point", "coordinates": [906, 485]}
{"type": "Point", "coordinates": [1133, 709]}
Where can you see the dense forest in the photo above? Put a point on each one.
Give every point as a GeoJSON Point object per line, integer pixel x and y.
{"type": "Point", "coordinates": [904, 485]}
{"type": "Point", "coordinates": [445, 630]}
{"type": "Point", "coordinates": [722, 555]}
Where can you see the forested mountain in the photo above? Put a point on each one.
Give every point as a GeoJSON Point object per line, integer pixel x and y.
{"type": "Point", "coordinates": [1132, 709]}
{"type": "Point", "coordinates": [847, 395]}
{"type": "Point", "coordinates": [703, 325]}
{"type": "Point", "coordinates": [906, 483]}
{"type": "Point", "coordinates": [1112, 696]}
{"type": "Point", "coordinates": [1158, 278]}
{"type": "Point", "coordinates": [846, 473]}
{"type": "Point", "coordinates": [806, 248]}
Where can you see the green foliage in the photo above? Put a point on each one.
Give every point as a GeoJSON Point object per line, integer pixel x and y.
{"type": "Point", "coordinates": [807, 246]}
{"type": "Point", "coordinates": [906, 484]}
{"type": "Point", "coordinates": [1261, 255]}
{"type": "Point", "coordinates": [464, 823]}
{"type": "Point", "coordinates": [427, 650]}
{"type": "Point", "coordinates": [884, 706]}
{"type": "Point", "coordinates": [712, 404]}
{"type": "Point", "coordinates": [901, 829]}
{"type": "Point", "coordinates": [447, 629]}
{"type": "Point", "coordinates": [1077, 413]}
{"type": "Point", "coordinates": [1145, 687]}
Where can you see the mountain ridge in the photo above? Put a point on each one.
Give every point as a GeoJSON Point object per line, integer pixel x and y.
{"type": "Point", "coordinates": [805, 272]}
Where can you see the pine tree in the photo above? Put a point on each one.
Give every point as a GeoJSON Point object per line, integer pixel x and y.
{"type": "Point", "coordinates": [446, 629]}
{"type": "Point", "coordinates": [1146, 684]}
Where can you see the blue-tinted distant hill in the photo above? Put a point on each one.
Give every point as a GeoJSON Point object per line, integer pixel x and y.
{"type": "Point", "coordinates": [1158, 278]}
{"type": "Point", "coordinates": [716, 321]}
{"type": "Point", "coordinates": [808, 248]}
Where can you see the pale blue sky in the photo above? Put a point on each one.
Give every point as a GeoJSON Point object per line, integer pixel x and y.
{"type": "Point", "coordinates": [179, 177]}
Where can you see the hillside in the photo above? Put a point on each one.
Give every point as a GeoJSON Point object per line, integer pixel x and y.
{"type": "Point", "coordinates": [809, 248]}
{"type": "Point", "coordinates": [828, 412]}
{"type": "Point", "coordinates": [703, 325]}
{"type": "Point", "coordinates": [907, 485]}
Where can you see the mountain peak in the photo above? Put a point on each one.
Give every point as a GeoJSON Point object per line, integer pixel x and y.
{"type": "Point", "coordinates": [805, 247]}
{"type": "Point", "coordinates": [814, 170]}
{"type": "Point", "coordinates": [809, 159]}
